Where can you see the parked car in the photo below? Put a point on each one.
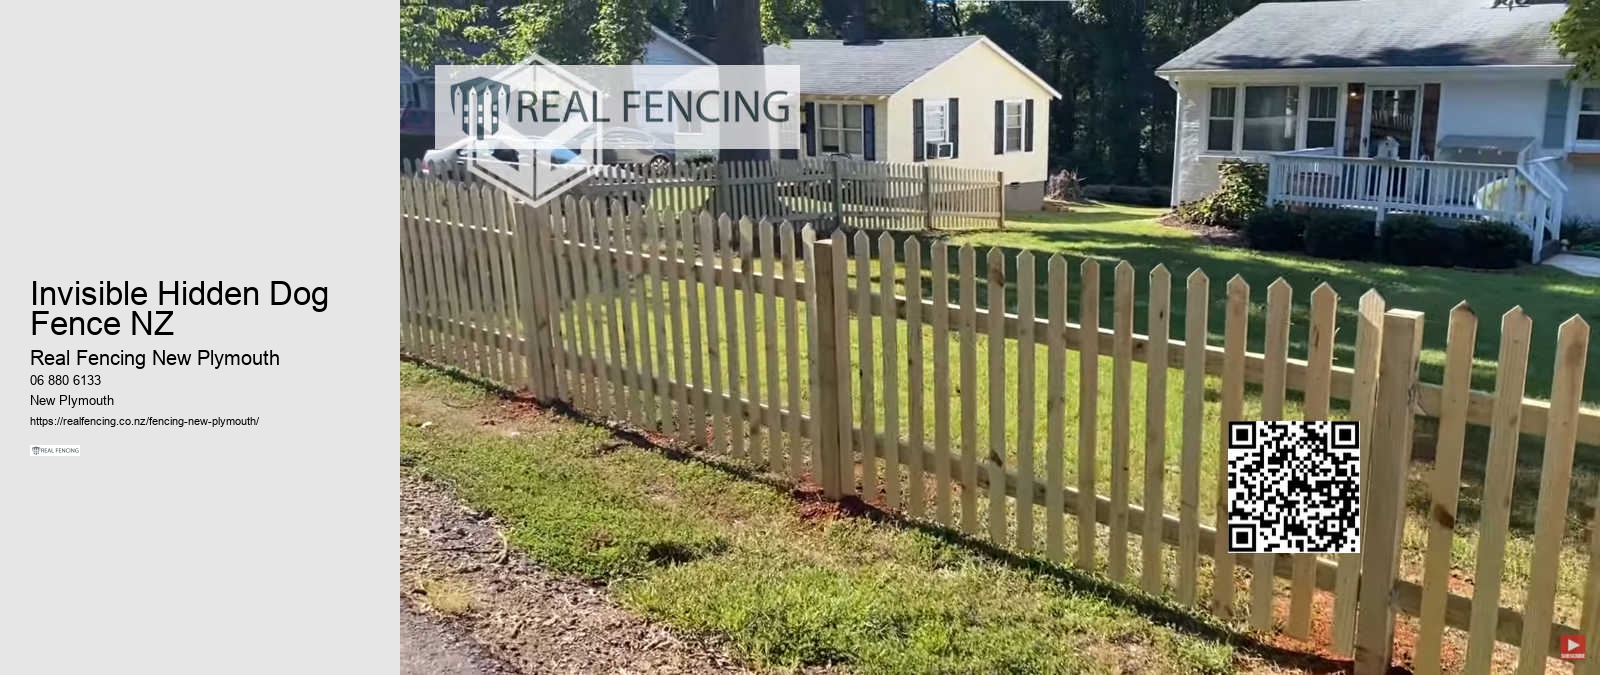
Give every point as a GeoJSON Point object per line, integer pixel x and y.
{"type": "Point", "coordinates": [620, 182]}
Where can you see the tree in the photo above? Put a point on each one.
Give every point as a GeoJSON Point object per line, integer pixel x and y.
{"type": "Point", "coordinates": [1578, 35]}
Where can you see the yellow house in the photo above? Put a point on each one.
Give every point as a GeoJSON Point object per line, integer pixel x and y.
{"type": "Point", "coordinates": [961, 101]}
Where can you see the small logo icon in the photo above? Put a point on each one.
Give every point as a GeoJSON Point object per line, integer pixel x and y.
{"type": "Point", "coordinates": [35, 449]}
{"type": "Point", "coordinates": [1573, 648]}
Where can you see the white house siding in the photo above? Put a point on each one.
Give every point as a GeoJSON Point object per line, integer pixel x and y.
{"type": "Point", "coordinates": [1492, 107]}
{"type": "Point", "coordinates": [1196, 173]}
{"type": "Point", "coordinates": [978, 76]}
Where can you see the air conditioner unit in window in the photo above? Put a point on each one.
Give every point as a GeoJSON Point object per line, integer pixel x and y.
{"type": "Point", "coordinates": [938, 150]}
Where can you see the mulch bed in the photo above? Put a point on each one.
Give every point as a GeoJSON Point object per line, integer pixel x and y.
{"type": "Point", "coordinates": [1220, 236]}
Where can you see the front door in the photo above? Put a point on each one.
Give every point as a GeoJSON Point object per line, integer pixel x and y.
{"type": "Point", "coordinates": [1392, 113]}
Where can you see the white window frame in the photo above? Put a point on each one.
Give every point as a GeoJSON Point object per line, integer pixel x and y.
{"type": "Point", "coordinates": [1574, 109]}
{"type": "Point", "coordinates": [1306, 119]}
{"type": "Point", "coordinates": [1302, 109]}
{"type": "Point", "coordinates": [1022, 126]}
{"type": "Point", "coordinates": [842, 129]}
{"type": "Point", "coordinates": [942, 105]}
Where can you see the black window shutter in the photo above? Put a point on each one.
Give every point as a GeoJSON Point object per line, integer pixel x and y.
{"type": "Point", "coordinates": [954, 135]}
{"type": "Point", "coordinates": [919, 150]}
{"type": "Point", "coordinates": [808, 112]}
{"type": "Point", "coordinates": [1027, 126]}
{"type": "Point", "coordinates": [869, 140]}
{"type": "Point", "coordinates": [999, 127]}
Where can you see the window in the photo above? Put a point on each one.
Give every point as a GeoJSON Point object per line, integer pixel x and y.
{"type": "Point", "coordinates": [935, 121]}
{"type": "Point", "coordinates": [1219, 133]}
{"type": "Point", "coordinates": [1589, 114]}
{"type": "Point", "coordinates": [1322, 117]}
{"type": "Point", "coordinates": [1013, 129]}
{"type": "Point", "coordinates": [1270, 118]}
{"type": "Point", "coordinates": [839, 128]}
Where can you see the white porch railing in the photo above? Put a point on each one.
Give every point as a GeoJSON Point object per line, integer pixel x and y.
{"type": "Point", "coordinates": [1529, 196]}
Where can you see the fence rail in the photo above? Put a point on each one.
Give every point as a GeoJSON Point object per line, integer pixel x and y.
{"type": "Point", "coordinates": [831, 360]}
{"type": "Point", "coordinates": [856, 193]}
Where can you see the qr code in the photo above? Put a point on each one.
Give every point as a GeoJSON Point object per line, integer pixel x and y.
{"type": "Point", "coordinates": [1294, 487]}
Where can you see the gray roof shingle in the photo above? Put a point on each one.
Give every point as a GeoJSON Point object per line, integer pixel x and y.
{"type": "Point", "coordinates": [877, 69]}
{"type": "Point", "coordinates": [1378, 33]}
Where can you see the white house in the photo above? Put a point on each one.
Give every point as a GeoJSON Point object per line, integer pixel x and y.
{"type": "Point", "coordinates": [1446, 107]}
{"type": "Point", "coordinates": [961, 101]}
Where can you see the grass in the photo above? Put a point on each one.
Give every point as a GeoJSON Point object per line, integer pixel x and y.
{"type": "Point", "coordinates": [446, 597]}
{"type": "Point", "coordinates": [786, 591]}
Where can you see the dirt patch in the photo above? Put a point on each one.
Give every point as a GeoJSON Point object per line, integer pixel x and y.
{"type": "Point", "coordinates": [812, 507]}
{"type": "Point", "coordinates": [534, 621]}
{"type": "Point", "coordinates": [1220, 236]}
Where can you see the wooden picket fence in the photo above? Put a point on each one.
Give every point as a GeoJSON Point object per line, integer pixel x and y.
{"type": "Point", "coordinates": [754, 340]}
{"type": "Point", "coordinates": [859, 194]}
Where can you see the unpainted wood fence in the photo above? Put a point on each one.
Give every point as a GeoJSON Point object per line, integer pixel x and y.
{"type": "Point", "coordinates": [756, 341]}
{"type": "Point", "coordinates": [821, 191]}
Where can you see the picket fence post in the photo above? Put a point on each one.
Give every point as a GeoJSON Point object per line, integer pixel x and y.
{"type": "Point", "coordinates": [830, 305]}
{"type": "Point", "coordinates": [1383, 488]}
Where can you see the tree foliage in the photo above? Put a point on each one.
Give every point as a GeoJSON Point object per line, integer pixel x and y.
{"type": "Point", "coordinates": [1578, 34]}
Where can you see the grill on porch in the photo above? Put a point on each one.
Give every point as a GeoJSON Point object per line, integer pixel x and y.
{"type": "Point", "coordinates": [1528, 193]}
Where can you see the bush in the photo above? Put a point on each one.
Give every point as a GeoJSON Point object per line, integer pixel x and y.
{"type": "Point", "coordinates": [1341, 235]}
{"type": "Point", "coordinates": [1411, 239]}
{"type": "Point", "coordinates": [1493, 245]}
{"type": "Point", "coordinates": [1241, 193]}
{"type": "Point", "coordinates": [1275, 230]}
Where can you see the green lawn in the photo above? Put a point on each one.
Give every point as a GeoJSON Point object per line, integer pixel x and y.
{"type": "Point", "coordinates": [1114, 232]}
{"type": "Point", "coordinates": [708, 550]}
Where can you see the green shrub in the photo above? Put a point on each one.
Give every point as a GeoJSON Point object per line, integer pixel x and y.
{"type": "Point", "coordinates": [1275, 230]}
{"type": "Point", "coordinates": [1129, 194]}
{"type": "Point", "coordinates": [1493, 245]}
{"type": "Point", "coordinates": [1241, 193]}
{"type": "Point", "coordinates": [1411, 239]}
{"type": "Point", "coordinates": [1341, 235]}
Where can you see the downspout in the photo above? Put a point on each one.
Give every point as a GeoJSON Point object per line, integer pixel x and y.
{"type": "Point", "coordinates": [1177, 133]}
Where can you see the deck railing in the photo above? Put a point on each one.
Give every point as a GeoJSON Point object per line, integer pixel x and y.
{"type": "Point", "coordinates": [1528, 196]}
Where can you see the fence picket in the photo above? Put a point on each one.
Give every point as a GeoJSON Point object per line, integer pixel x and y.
{"type": "Point", "coordinates": [1088, 405]}
{"type": "Point", "coordinates": [611, 281]}
{"type": "Point", "coordinates": [969, 389]}
{"type": "Point", "coordinates": [592, 339]}
{"type": "Point", "coordinates": [1273, 383]}
{"type": "Point", "coordinates": [727, 279]}
{"type": "Point", "coordinates": [996, 461]}
{"type": "Point", "coordinates": [1499, 471]}
{"type": "Point", "coordinates": [1369, 338]}
{"type": "Point", "coordinates": [891, 373]}
{"type": "Point", "coordinates": [1197, 299]}
{"type": "Point", "coordinates": [1055, 408]}
{"type": "Point", "coordinates": [1319, 375]}
{"type": "Point", "coordinates": [666, 413]}
{"type": "Point", "coordinates": [1444, 483]}
{"type": "Point", "coordinates": [1555, 477]}
{"type": "Point", "coordinates": [1121, 385]}
{"type": "Point", "coordinates": [624, 229]}
{"type": "Point", "coordinates": [1159, 325]}
{"type": "Point", "coordinates": [713, 342]}
{"type": "Point", "coordinates": [808, 237]}
{"type": "Point", "coordinates": [1384, 504]}
{"type": "Point", "coordinates": [916, 497]}
{"type": "Point", "coordinates": [1025, 407]}
{"type": "Point", "coordinates": [864, 366]}
{"type": "Point", "coordinates": [791, 353]}
{"type": "Point", "coordinates": [941, 380]}
{"type": "Point", "coordinates": [769, 324]}
{"type": "Point", "coordinates": [1235, 334]}
{"type": "Point", "coordinates": [752, 356]}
